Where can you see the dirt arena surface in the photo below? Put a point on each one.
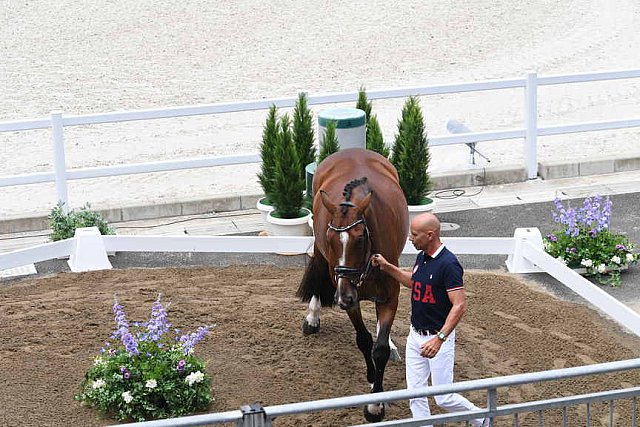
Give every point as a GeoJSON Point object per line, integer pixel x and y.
{"type": "Point", "coordinates": [52, 327]}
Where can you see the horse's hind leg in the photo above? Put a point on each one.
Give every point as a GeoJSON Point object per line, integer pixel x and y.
{"type": "Point", "coordinates": [394, 356]}
{"type": "Point", "coordinates": [311, 324]}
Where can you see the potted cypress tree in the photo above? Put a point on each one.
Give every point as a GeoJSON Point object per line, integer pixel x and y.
{"type": "Point", "coordinates": [411, 158]}
{"type": "Point", "coordinates": [303, 139]}
{"type": "Point", "coordinates": [330, 143]}
{"type": "Point", "coordinates": [374, 139]}
{"type": "Point", "coordinates": [288, 216]}
{"type": "Point", "coordinates": [267, 168]}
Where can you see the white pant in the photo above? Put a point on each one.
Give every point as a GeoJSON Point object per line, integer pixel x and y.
{"type": "Point", "coordinates": [440, 368]}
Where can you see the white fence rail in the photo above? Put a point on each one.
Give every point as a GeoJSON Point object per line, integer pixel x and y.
{"type": "Point", "coordinates": [530, 131]}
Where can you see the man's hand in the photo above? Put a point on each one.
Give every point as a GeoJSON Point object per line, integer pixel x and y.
{"type": "Point", "coordinates": [430, 348]}
{"type": "Point", "coordinates": [379, 261]}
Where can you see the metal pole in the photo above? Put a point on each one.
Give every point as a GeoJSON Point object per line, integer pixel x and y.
{"type": "Point", "coordinates": [531, 123]}
{"type": "Point", "coordinates": [59, 163]}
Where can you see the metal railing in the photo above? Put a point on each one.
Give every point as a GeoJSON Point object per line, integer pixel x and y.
{"type": "Point", "coordinates": [529, 132]}
{"type": "Point", "coordinates": [255, 415]}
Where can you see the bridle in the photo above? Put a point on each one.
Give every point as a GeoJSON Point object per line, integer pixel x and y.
{"type": "Point", "coordinates": [355, 276]}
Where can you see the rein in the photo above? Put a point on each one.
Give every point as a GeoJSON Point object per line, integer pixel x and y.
{"type": "Point", "coordinates": [355, 276]}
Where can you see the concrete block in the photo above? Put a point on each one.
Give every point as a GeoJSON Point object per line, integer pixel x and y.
{"type": "Point", "coordinates": [132, 213]}
{"type": "Point", "coordinates": [625, 165]}
{"type": "Point", "coordinates": [556, 170]}
{"type": "Point", "coordinates": [504, 175]}
{"type": "Point", "coordinates": [596, 167]}
{"type": "Point", "coordinates": [441, 181]}
{"type": "Point", "coordinates": [14, 224]}
{"type": "Point", "coordinates": [221, 204]}
{"type": "Point", "coordinates": [248, 201]}
{"type": "Point", "coordinates": [111, 215]}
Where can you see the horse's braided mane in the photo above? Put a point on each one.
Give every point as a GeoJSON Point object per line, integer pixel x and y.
{"type": "Point", "coordinates": [351, 185]}
{"type": "Point", "coordinates": [348, 190]}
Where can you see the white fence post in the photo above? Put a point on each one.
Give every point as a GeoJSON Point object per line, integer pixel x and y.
{"type": "Point", "coordinates": [88, 252]}
{"type": "Point", "coordinates": [531, 124]}
{"type": "Point", "coordinates": [516, 262]}
{"type": "Point", "coordinates": [59, 160]}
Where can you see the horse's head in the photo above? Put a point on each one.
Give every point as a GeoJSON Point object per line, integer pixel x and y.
{"type": "Point", "coordinates": [349, 241]}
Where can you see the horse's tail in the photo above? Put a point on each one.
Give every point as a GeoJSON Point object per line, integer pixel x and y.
{"type": "Point", "coordinates": [316, 281]}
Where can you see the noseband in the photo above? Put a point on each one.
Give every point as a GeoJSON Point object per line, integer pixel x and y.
{"type": "Point", "coordinates": [355, 276]}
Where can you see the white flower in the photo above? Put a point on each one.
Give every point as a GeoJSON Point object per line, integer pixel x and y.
{"type": "Point", "coordinates": [629, 257]}
{"type": "Point", "coordinates": [616, 259]}
{"type": "Point", "coordinates": [194, 377]}
{"type": "Point", "coordinates": [126, 395]}
{"type": "Point", "coordinates": [98, 361]}
{"type": "Point", "coordinates": [586, 262]}
{"type": "Point", "coordinates": [562, 260]}
{"type": "Point", "coordinates": [151, 384]}
{"type": "Point", "coordinates": [98, 383]}
{"type": "Point", "coordinates": [602, 268]}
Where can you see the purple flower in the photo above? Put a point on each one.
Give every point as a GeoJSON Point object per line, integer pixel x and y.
{"type": "Point", "coordinates": [125, 372]}
{"type": "Point", "coordinates": [130, 344]}
{"type": "Point", "coordinates": [621, 248]}
{"type": "Point", "coordinates": [552, 238]}
{"type": "Point", "coordinates": [158, 324]}
{"type": "Point", "coordinates": [121, 320]}
{"type": "Point", "coordinates": [188, 341]}
{"type": "Point", "coordinates": [181, 365]}
{"type": "Point", "coordinates": [593, 233]}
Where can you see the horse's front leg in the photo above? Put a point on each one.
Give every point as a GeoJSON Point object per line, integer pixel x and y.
{"type": "Point", "coordinates": [380, 355]}
{"type": "Point", "coordinates": [363, 340]}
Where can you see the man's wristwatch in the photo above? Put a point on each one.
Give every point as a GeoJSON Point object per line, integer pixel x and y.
{"type": "Point", "coordinates": [442, 336]}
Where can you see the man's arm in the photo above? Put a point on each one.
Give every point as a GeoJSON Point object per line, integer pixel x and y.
{"type": "Point", "coordinates": [404, 277]}
{"type": "Point", "coordinates": [431, 347]}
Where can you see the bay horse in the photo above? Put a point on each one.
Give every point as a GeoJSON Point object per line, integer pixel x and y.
{"type": "Point", "coordinates": [358, 209]}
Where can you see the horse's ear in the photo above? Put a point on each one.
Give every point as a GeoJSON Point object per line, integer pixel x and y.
{"type": "Point", "coordinates": [364, 203]}
{"type": "Point", "coordinates": [327, 203]}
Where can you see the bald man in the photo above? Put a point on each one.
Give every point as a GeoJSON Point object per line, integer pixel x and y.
{"type": "Point", "coordinates": [437, 305]}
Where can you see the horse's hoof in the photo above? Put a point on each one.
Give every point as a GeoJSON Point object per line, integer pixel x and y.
{"type": "Point", "coordinates": [377, 415]}
{"type": "Point", "coordinates": [394, 356]}
{"type": "Point", "coordinates": [307, 329]}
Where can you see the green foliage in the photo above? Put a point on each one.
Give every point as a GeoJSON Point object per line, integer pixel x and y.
{"type": "Point", "coordinates": [144, 372]}
{"type": "Point", "coordinates": [411, 155]}
{"type": "Point", "coordinates": [268, 153]}
{"type": "Point", "coordinates": [303, 134]}
{"type": "Point", "coordinates": [583, 239]}
{"type": "Point", "coordinates": [363, 103]}
{"type": "Point", "coordinates": [63, 225]}
{"type": "Point", "coordinates": [375, 141]}
{"type": "Point", "coordinates": [289, 185]}
{"type": "Point", "coordinates": [330, 143]}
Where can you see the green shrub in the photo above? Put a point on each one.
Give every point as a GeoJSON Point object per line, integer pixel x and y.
{"type": "Point", "coordinates": [411, 155]}
{"type": "Point", "coordinates": [63, 225]}
{"type": "Point", "coordinates": [268, 153]}
{"type": "Point", "coordinates": [374, 138]}
{"type": "Point", "coordinates": [330, 143]}
{"type": "Point", "coordinates": [145, 372]}
{"type": "Point", "coordinates": [289, 185]}
{"type": "Point", "coordinates": [303, 134]}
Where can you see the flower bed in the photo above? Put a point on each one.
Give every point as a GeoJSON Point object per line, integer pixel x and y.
{"type": "Point", "coordinates": [143, 372]}
{"type": "Point", "coordinates": [584, 240]}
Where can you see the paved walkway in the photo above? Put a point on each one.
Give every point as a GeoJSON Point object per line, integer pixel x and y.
{"type": "Point", "coordinates": [249, 221]}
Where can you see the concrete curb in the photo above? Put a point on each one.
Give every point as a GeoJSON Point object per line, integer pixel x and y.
{"type": "Point", "coordinates": [440, 181]}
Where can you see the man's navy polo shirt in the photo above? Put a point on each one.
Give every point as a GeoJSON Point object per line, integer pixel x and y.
{"type": "Point", "coordinates": [431, 280]}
